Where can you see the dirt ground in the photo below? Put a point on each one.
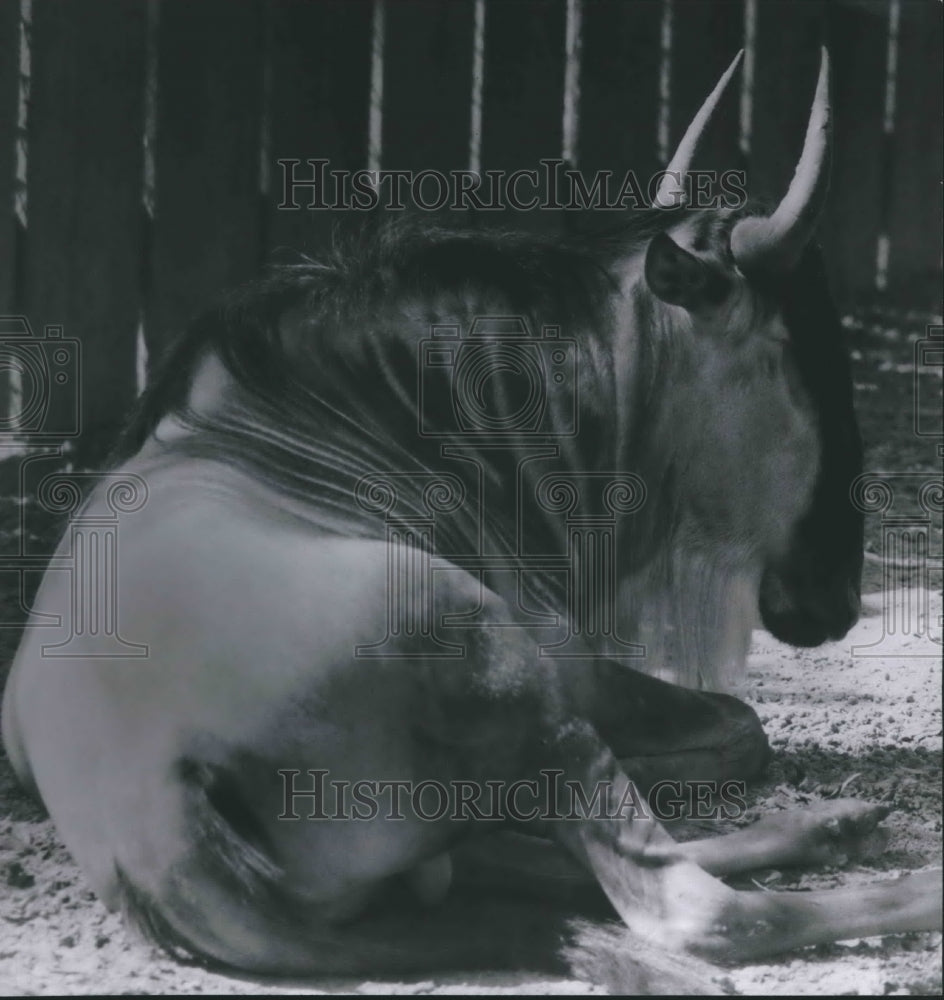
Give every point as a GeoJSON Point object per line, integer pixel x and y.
{"type": "Point", "coordinates": [858, 718]}
{"type": "Point", "coordinates": [868, 726]}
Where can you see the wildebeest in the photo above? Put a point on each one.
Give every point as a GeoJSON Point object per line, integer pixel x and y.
{"type": "Point", "coordinates": [309, 622]}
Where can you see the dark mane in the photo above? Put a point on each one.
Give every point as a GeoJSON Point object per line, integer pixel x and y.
{"type": "Point", "coordinates": [323, 354]}
{"type": "Point", "coordinates": [362, 275]}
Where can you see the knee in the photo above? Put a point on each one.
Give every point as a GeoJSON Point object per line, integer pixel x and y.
{"type": "Point", "coordinates": [744, 746]}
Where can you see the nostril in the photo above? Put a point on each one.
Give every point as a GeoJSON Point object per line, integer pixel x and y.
{"type": "Point", "coordinates": [854, 600]}
{"type": "Point", "coordinates": [809, 613]}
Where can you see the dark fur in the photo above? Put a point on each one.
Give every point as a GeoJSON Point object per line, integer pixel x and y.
{"type": "Point", "coordinates": [340, 379]}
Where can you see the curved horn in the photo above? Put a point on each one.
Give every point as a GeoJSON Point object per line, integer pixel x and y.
{"type": "Point", "coordinates": [771, 244]}
{"type": "Point", "coordinates": [671, 192]}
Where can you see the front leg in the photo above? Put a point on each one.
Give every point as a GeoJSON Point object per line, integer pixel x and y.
{"type": "Point", "coordinates": [826, 833]}
{"type": "Point", "coordinates": [664, 732]}
{"type": "Point", "coordinates": [662, 895]}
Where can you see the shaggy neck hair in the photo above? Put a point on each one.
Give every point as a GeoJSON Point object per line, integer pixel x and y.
{"type": "Point", "coordinates": [323, 358]}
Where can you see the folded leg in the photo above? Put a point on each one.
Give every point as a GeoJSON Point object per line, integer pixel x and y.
{"type": "Point", "coordinates": [664, 732]}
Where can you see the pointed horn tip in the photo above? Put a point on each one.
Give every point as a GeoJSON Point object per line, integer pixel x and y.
{"type": "Point", "coordinates": [679, 163]}
{"type": "Point", "coordinates": [729, 72]}
{"type": "Point", "coordinates": [822, 112]}
{"type": "Point", "coordinates": [825, 70]}
{"type": "Point", "coordinates": [761, 243]}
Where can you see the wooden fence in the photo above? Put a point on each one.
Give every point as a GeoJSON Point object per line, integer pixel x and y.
{"type": "Point", "coordinates": [140, 139]}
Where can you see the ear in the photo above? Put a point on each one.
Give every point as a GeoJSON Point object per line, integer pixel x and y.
{"type": "Point", "coordinates": [680, 278]}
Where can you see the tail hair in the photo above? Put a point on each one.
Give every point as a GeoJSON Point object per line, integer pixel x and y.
{"type": "Point", "coordinates": [609, 955]}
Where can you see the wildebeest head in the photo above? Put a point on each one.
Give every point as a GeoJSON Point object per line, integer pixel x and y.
{"type": "Point", "coordinates": [767, 279]}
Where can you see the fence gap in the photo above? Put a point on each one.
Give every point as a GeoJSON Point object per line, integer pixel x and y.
{"type": "Point", "coordinates": [375, 118]}
{"type": "Point", "coordinates": [148, 192]}
{"type": "Point", "coordinates": [747, 79]}
{"type": "Point", "coordinates": [571, 121]}
{"type": "Point", "coordinates": [21, 190]}
{"type": "Point", "coordinates": [14, 104]}
{"type": "Point", "coordinates": [665, 81]}
{"type": "Point", "coordinates": [888, 130]}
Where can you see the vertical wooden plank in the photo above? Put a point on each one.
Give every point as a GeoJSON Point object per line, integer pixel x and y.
{"type": "Point", "coordinates": [619, 109]}
{"type": "Point", "coordinates": [788, 37]}
{"type": "Point", "coordinates": [857, 36]}
{"type": "Point", "coordinates": [83, 239]}
{"type": "Point", "coordinates": [206, 235]}
{"type": "Point", "coordinates": [427, 86]}
{"type": "Point", "coordinates": [320, 75]}
{"type": "Point", "coordinates": [9, 73]}
{"type": "Point", "coordinates": [705, 38]}
{"type": "Point", "coordinates": [915, 218]}
{"type": "Point", "coordinates": [523, 103]}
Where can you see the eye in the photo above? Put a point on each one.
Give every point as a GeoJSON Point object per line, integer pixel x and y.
{"type": "Point", "coordinates": [777, 357]}
{"type": "Point", "coordinates": [772, 360]}
{"type": "Point", "coordinates": [792, 372]}
{"type": "Point", "coordinates": [778, 332]}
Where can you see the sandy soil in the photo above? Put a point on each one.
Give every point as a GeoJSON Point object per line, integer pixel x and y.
{"type": "Point", "coordinates": [868, 726]}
